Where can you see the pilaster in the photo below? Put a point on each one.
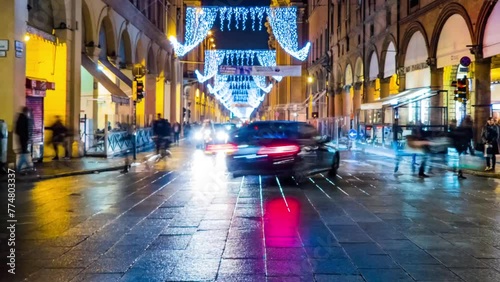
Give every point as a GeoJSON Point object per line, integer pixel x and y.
{"type": "Point", "coordinates": [482, 82]}
{"type": "Point", "coordinates": [385, 87]}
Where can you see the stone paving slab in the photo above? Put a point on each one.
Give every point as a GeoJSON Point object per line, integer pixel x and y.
{"type": "Point", "coordinates": [177, 223]}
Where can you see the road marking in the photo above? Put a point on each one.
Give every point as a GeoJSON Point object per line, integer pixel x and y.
{"type": "Point", "coordinates": [263, 225]}
{"type": "Point", "coordinates": [282, 193]}
{"type": "Point", "coordinates": [320, 188]}
{"type": "Point", "coordinates": [334, 185]}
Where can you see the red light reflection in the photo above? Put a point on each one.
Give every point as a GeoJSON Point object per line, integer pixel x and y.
{"type": "Point", "coordinates": [282, 220]}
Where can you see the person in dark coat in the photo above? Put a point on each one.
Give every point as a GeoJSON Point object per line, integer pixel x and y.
{"type": "Point", "coordinates": [23, 132]}
{"type": "Point", "coordinates": [489, 136]}
{"type": "Point", "coordinates": [59, 133]}
{"type": "Point", "coordinates": [467, 125]}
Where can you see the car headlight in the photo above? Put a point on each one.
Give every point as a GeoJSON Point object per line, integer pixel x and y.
{"type": "Point", "coordinates": [198, 135]}
{"type": "Point", "coordinates": [222, 135]}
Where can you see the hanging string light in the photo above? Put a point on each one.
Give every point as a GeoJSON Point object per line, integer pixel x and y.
{"type": "Point", "coordinates": [283, 21]}
{"type": "Point", "coordinates": [199, 21]}
{"type": "Point", "coordinates": [215, 58]}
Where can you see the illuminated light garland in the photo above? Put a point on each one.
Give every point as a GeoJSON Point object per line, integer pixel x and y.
{"type": "Point", "coordinates": [283, 21]}
{"type": "Point", "coordinates": [261, 83]}
{"type": "Point", "coordinates": [268, 59]}
{"type": "Point", "coordinates": [215, 58]}
{"type": "Point", "coordinates": [199, 22]}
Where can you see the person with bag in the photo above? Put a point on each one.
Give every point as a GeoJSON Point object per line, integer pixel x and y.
{"type": "Point", "coordinates": [489, 137]}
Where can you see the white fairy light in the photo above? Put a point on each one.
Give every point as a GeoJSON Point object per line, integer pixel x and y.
{"type": "Point", "coordinates": [198, 22]}
{"type": "Point", "coordinates": [268, 59]}
{"type": "Point", "coordinates": [283, 22]}
{"type": "Point", "coordinates": [213, 59]}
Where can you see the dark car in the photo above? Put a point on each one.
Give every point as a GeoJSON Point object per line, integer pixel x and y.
{"type": "Point", "coordinates": [280, 148]}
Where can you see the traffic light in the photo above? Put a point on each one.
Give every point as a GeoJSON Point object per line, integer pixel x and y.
{"type": "Point", "coordinates": [315, 115]}
{"type": "Point", "coordinates": [462, 91]}
{"type": "Point", "coordinates": [189, 114]}
{"type": "Point", "coordinates": [140, 90]}
{"type": "Point", "coordinates": [183, 112]}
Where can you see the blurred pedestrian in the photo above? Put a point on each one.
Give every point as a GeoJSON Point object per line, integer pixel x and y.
{"type": "Point", "coordinates": [59, 135]}
{"type": "Point", "coordinates": [23, 133]}
{"type": "Point", "coordinates": [177, 132]}
{"type": "Point", "coordinates": [467, 125]}
{"type": "Point", "coordinates": [489, 136]}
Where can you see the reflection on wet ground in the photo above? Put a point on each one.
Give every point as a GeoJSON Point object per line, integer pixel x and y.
{"type": "Point", "coordinates": [186, 219]}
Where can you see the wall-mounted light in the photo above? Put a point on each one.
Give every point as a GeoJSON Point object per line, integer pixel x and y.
{"type": "Point", "coordinates": [310, 79]}
{"type": "Point", "coordinates": [27, 38]}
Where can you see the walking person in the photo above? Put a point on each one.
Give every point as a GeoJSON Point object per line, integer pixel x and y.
{"type": "Point", "coordinates": [489, 136]}
{"type": "Point", "coordinates": [59, 133]}
{"type": "Point", "coordinates": [23, 133]}
{"type": "Point", "coordinates": [467, 125]}
{"type": "Point", "coordinates": [177, 132]}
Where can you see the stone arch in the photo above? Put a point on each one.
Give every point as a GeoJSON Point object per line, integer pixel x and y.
{"type": "Point", "coordinates": [449, 11]}
{"type": "Point", "coordinates": [140, 51]}
{"type": "Point", "coordinates": [88, 34]}
{"type": "Point", "coordinates": [107, 41]}
{"type": "Point", "coordinates": [151, 65]}
{"type": "Point", "coordinates": [359, 70]}
{"type": "Point", "coordinates": [349, 75]}
{"type": "Point", "coordinates": [60, 13]}
{"type": "Point", "coordinates": [451, 48]}
{"type": "Point", "coordinates": [159, 62]}
{"type": "Point", "coordinates": [413, 28]}
{"type": "Point", "coordinates": [125, 47]}
{"type": "Point", "coordinates": [388, 57]}
{"type": "Point", "coordinates": [487, 29]}
{"type": "Point", "coordinates": [373, 66]}
{"type": "Point", "coordinates": [339, 77]}
{"type": "Point", "coordinates": [417, 71]}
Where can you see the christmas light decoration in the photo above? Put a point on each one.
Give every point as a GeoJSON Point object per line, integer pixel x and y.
{"type": "Point", "coordinates": [283, 21]}
{"type": "Point", "coordinates": [261, 83]}
{"type": "Point", "coordinates": [215, 58]}
{"type": "Point", "coordinates": [268, 59]}
{"type": "Point", "coordinates": [199, 21]}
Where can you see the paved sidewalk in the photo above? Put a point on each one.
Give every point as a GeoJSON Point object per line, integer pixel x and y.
{"type": "Point", "coordinates": [77, 166]}
{"type": "Point", "coordinates": [474, 165]}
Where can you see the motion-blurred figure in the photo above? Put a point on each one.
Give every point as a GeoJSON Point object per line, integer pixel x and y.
{"type": "Point", "coordinates": [177, 132]}
{"type": "Point", "coordinates": [59, 135]}
{"type": "Point", "coordinates": [23, 132]}
{"type": "Point", "coordinates": [467, 125]}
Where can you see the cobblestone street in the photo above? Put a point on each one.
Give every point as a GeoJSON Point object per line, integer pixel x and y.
{"type": "Point", "coordinates": [188, 220]}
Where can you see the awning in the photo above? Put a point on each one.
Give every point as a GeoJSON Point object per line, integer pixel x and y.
{"type": "Point", "coordinates": [403, 98]}
{"type": "Point", "coordinates": [123, 77]}
{"type": "Point", "coordinates": [117, 95]}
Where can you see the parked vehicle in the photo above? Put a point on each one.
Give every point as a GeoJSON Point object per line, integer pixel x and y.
{"type": "Point", "coordinates": [281, 148]}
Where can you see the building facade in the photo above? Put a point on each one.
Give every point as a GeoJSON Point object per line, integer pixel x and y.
{"type": "Point", "coordinates": [287, 98]}
{"type": "Point", "coordinates": [75, 59]}
{"type": "Point", "coordinates": [396, 61]}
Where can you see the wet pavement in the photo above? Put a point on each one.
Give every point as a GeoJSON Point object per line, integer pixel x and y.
{"type": "Point", "coordinates": [185, 219]}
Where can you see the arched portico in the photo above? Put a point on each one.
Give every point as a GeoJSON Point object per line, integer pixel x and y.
{"type": "Point", "coordinates": [373, 83]}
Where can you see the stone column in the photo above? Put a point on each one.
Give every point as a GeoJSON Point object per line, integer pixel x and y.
{"type": "Point", "coordinates": [370, 91]}
{"type": "Point", "coordinates": [346, 99]}
{"type": "Point", "coordinates": [437, 100]}
{"type": "Point", "coordinates": [357, 102]}
{"type": "Point", "coordinates": [14, 16]}
{"type": "Point", "coordinates": [385, 87]}
{"type": "Point", "coordinates": [482, 83]}
{"type": "Point", "coordinates": [93, 53]}
{"type": "Point", "coordinates": [73, 39]}
{"type": "Point", "coordinates": [338, 103]}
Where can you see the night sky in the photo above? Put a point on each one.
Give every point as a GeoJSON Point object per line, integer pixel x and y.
{"type": "Point", "coordinates": [239, 39]}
